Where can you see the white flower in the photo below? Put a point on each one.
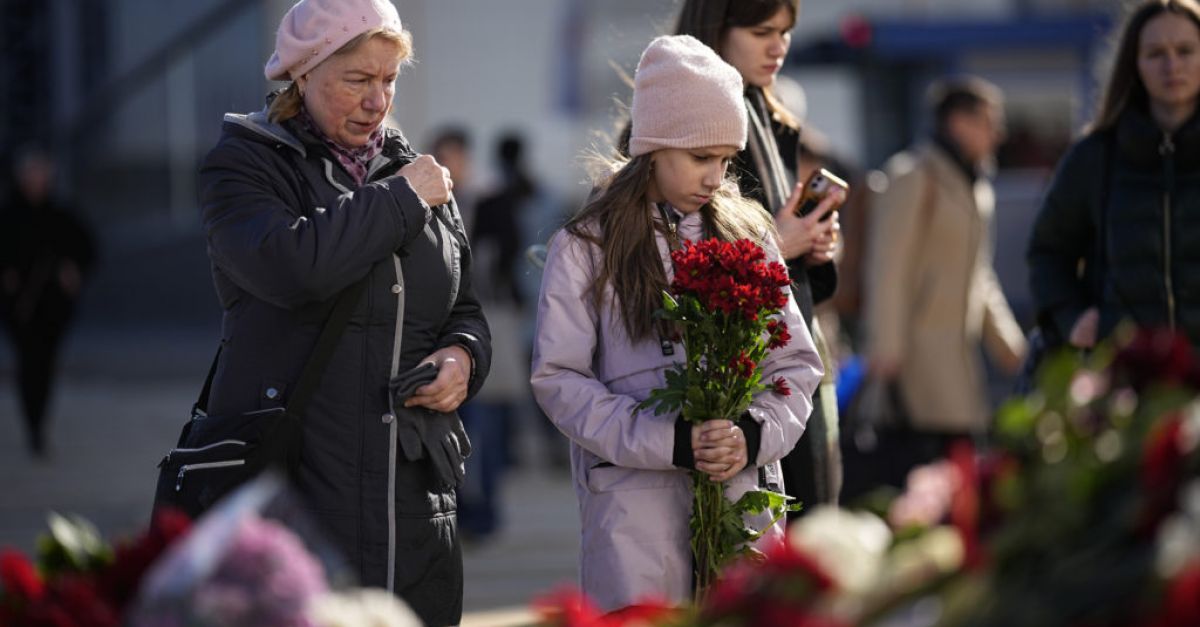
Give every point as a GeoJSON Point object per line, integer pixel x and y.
{"type": "Point", "coordinates": [935, 552]}
{"type": "Point", "coordinates": [849, 545]}
{"type": "Point", "coordinates": [363, 607]}
{"type": "Point", "coordinates": [1179, 536]}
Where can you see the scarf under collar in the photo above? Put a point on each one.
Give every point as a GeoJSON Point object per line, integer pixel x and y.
{"type": "Point", "coordinates": [356, 161]}
{"type": "Point", "coordinates": [764, 152]}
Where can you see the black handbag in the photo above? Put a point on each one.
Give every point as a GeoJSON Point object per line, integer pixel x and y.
{"type": "Point", "coordinates": [216, 454]}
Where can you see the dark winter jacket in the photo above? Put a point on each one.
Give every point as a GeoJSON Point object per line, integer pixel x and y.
{"type": "Point", "coordinates": [287, 232]}
{"type": "Point", "coordinates": [1143, 186]}
{"type": "Point", "coordinates": [812, 470]}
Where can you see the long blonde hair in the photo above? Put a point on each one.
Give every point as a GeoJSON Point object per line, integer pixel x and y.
{"type": "Point", "coordinates": [288, 103]}
{"type": "Point", "coordinates": [619, 221]}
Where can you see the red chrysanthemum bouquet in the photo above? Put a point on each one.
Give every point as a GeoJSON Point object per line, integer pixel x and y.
{"type": "Point", "coordinates": [723, 300]}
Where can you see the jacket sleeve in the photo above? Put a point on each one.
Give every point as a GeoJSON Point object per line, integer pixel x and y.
{"type": "Point", "coordinates": [1002, 336]}
{"type": "Point", "coordinates": [782, 418]}
{"type": "Point", "coordinates": [466, 325]}
{"type": "Point", "coordinates": [288, 255]}
{"type": "Point", "coordinates": [564, 384]}
{"type": "Point", "coordinates": [823, 279]}
{"type": "Point", "coordinates": [893, 238]}
{"type": "Point", "coordinates": [1063, 235]}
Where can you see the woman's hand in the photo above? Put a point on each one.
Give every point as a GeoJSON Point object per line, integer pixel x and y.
{"type": "Point", "coordinates": [429, 180]}
{"type": "Point", "coordinates": [1083, 334]}
{"type": "Point", "coordinates": [449, 389]}
{"type": "Point", "coordinates": [825, 247]}
{"type": "Point", "coordinates": [798, 235]}
{"type": "Point", "coordinates": [719, 448]}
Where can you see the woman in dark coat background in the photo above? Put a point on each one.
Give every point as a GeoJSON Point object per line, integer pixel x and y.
{"type": "Point", "coordinates": [1126, 198]}
{"type": "Point", "coordinates": [753, 36]}
{"type": "Point", "coordinates": [46, 252]}
{"type": "Point", "coordinates": [303, 200]}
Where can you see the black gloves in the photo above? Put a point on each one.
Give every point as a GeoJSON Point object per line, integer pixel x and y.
{"type": "Point", "coordinates": [422, 430]}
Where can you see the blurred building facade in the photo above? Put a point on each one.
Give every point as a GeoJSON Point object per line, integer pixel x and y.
{"type": "Point", "coordinates": [130, 93]}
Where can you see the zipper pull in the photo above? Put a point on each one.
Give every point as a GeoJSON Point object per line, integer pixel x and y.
{"type": "Point", "coordinates": [1167, 147]}
{"type": "Point", "coordinates": [179, 478]}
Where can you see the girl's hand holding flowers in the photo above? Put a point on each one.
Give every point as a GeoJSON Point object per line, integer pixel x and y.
{"type": "Point", "coordinates": [719, 448]}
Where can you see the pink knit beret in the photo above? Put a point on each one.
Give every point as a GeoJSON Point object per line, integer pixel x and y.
{"type": "Point", "coordinates": [314, 29]}
{"type": "Point", "coordinates": [685, 96]}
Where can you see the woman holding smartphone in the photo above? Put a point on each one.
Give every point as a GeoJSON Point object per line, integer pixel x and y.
{"type": "Point", "coordinates": [754, 36]}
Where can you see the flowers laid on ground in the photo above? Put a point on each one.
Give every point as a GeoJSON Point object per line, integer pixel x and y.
{"type": "Point", "coordinates": [241, 564]}
{"type": "Point", "coordinates": [78, 579]}
{"type": "Point", "coordinates": [1085, 510]}
{"type": "Point", "coordinates": [261, 575]}
{"type": "Point", "coordinates": [723, 300]}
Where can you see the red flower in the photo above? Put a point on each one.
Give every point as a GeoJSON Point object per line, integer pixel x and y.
{"type": "Point", "coordinates": [729, 277]}
{"type": "Point", "coordinates": [1156, 356]}
{"type": "Point", "coordinates": [133, 558]}
{"type": "Point", "coordinates": [779, 334]}
{"type": "Point", "coordinates": [780, 589]}
{"type": "Point", "coordinates": [1161, 471]}
{"type": "Point", "coordinates": [743, 365]}
{"type": "Point", "coordinates": [1181, 600]}
{"type": "Point", "coordinates": [571, 608]}
{"type": "Point", "coordinates": [781, 387]}
{"type": "Point", "coordinates": [19, 577]}
{"type": "Point", "coordinates": [567, 608]}
{"type": "Point", "coordinates": [644, 613]}
{"type": "Point", "coordinates": [78, 597]}
{"type": "Point", "coordinates": [964, 503]}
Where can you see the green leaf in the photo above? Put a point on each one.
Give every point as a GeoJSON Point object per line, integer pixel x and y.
{"type": "Point", "coordinates": [669, 302]}
{"type": "Point", "coordinates": [72, 545]}
{"type": "Point", "coordinates": [759, 501]}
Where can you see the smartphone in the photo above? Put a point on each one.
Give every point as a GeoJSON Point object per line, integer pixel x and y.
{"type": "Point", "coordinates": [819, 184]}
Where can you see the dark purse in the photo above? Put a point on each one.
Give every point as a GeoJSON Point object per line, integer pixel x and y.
{"type": "Point", "coordinates": [216, 454]}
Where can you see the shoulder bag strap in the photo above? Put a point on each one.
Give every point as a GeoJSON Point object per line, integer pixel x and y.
{"type": "Point", "coordinates": [311, 375]}
{"type": "Point", "coordinates": [306, 385]}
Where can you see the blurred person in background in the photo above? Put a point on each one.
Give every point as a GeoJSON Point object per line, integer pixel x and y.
{"type": "Point", "coordinates": [754, 36]}
{"type": "Point", "coordinates": [451, 147]}
{"type": "Point", "coordinates": [1125, 201]}
{"type": "Point", "coordinates": [932, 296]}
{"type": "Point", "coordinates": [300, 202]}
{"type": "Point", "coordinates": [46, 252]}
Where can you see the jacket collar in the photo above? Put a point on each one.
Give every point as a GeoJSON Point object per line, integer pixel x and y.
{"type": "Point", "coordinates": [1139, 139]}
{"type": "Point", "coordinates": [292, 135]}
{"type": "Point", "coordinates": [260, 125]}
{"type": "Point", "coordinates": [950, 148]}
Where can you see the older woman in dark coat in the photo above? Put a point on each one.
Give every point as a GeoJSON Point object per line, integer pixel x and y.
{"type": "Point", "coordinates": [302, 200]}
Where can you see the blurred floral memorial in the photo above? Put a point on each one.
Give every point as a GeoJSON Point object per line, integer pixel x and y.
{"type": "Point", "coordinates": [724, 301]}
{"type": "Point", "coordinates": [1085, 512]}
{"type": "Point", "coordinates": [254, 560]}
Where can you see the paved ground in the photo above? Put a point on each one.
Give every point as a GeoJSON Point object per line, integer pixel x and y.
{"type": "Point", "coordinates": [119, 406]}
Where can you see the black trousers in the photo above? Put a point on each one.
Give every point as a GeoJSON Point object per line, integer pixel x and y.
{"type": "Point", "coordinates": [37, 346]}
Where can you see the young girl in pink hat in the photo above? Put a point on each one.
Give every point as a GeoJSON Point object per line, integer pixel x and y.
{"type": "Point", "coordinates": [598, 351]}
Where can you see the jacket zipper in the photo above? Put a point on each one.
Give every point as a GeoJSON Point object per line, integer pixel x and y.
{"type": "Point", "coordinates": [390, 420]}
{"type": "Point", "coordinates": [1167, 150]}
{"type": "Point", "coordinates": [183, 470]}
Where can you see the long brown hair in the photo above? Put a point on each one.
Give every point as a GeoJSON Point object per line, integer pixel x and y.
{"type": "Point", "coordinates": [710, 20]}
{"type": "Point", "coordinates": [618, 219]}
{"type": "Point", "coordinates": [1125, 85]}
{"type": "Point", "coordinates": [288, 103]}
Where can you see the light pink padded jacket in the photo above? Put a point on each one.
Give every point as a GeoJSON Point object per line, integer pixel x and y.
{"type": "Point", "coordinates": [588, 377]}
